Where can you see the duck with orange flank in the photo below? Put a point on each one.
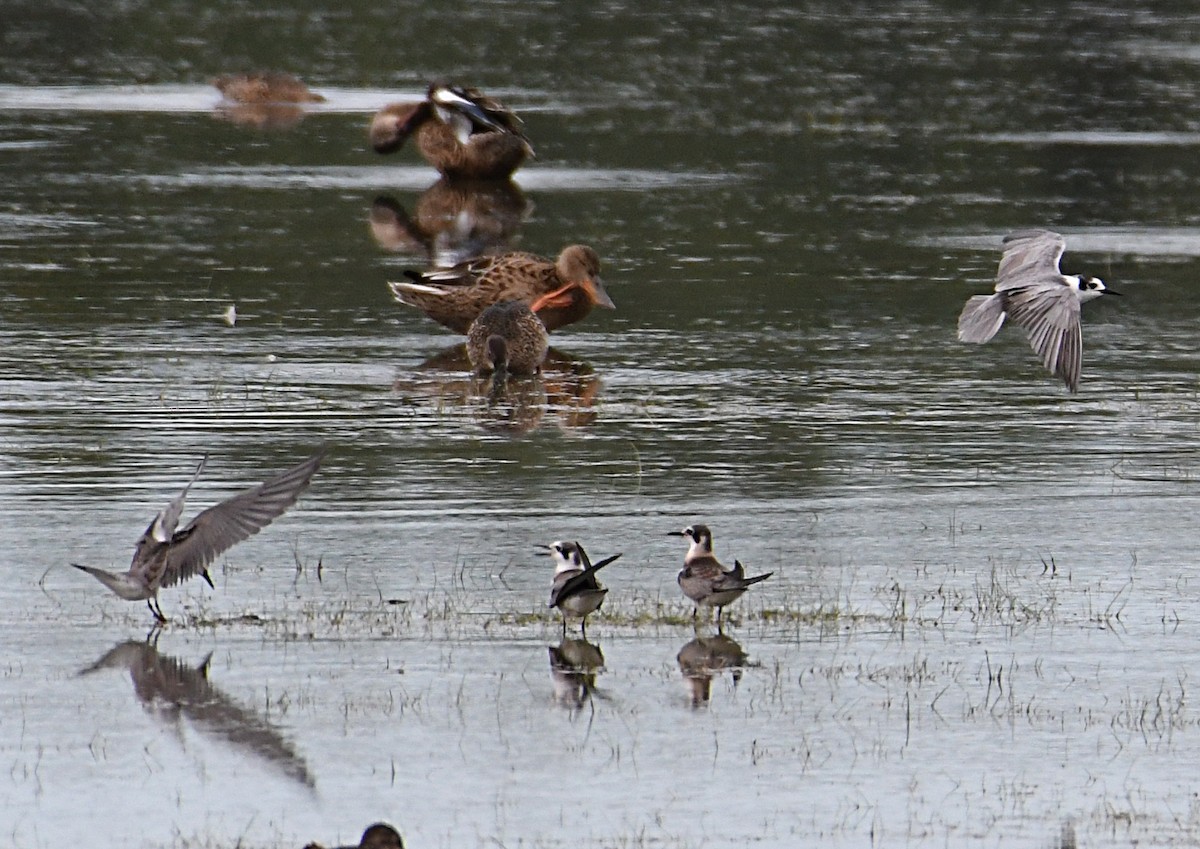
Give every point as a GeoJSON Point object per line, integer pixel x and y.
{"type": "Point", "coordinates": [560, 291]}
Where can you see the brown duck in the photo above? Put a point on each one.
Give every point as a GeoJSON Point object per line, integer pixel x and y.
{"type": "Point", "coordinates": [460, 131]}
{"type": "Point", "coordinates": [561, 292]}
{"type": "Point", "coordinates": [507, 339]}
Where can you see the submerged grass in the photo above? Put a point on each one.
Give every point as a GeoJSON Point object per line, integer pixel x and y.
{"type": "Point", "coordinates": [1004, 594]}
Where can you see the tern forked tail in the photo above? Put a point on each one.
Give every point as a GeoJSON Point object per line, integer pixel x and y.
{"type": "Point", "coordinates": [981, 319]}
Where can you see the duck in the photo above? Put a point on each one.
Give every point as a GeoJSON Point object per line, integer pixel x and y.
{"type": "Point", "coordinates": [565, 289]}
{"type": "Point", "coordinates": [459, 130]}
{"type": "Point", "coordinates": [507, 339]}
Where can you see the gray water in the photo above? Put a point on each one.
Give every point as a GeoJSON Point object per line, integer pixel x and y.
{"type": "Point", "coordinates": [984, 613]}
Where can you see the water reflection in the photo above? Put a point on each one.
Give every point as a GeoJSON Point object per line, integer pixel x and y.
{"type": "Point", "coordinates": [1066, 837]}
{"type": "Point", "coordinates": [574, 665]}
{"type": "Point", "coordinates": [452, 221]}
{"type": "Point", "coordinates": [168, 688]}
{"type": "Point", "coordinates": [514, 406]}
{"type": "Point", "coordinates": [260, 116]}
{"type": "Point", "coordinates": [704, 657]}
{"type": "Point", "coordinates": [264, 100]}
{"type": "Point", "coordinates": [567, 388]}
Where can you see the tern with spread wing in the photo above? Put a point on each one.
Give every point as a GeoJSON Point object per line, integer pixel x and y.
{"type": "Point", "coordinates": [1037, 296]}
{"type": "Point", "coordinates": [164, 557]}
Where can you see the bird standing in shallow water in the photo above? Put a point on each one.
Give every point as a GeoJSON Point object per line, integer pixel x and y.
{"type": "Point", "coordinates": [507, 339]}
{"type": "Point", "coordinates": [575, 590]}
{"type": "Point", "coordinates": [164, 557]}
{"type": "Point", "coordinates": [564, 290]}
{"type": "Point", "coordinates": [704, 580]}
{"type": "Point", "coordinates": [1032, 291]}
{"type": "Point", "coordinates": [460, 131]}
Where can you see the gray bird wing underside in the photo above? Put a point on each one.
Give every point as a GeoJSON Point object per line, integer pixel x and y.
{"type": "Point", "coordinates": [1030, 256]}
{"type": "Point", "coordinates": [223, 525]}
{"type": "Point", "coordinates": [1050, 316]}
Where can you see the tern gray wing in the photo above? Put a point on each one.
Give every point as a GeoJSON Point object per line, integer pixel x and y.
{"type": "Point", "coordinates": [1030, 256]}
{"type": "Point", "coordinates": [1050, 315]}
{"type": "Point", "coordinates": [567, 584]}
{"type": "Point", "coordinates": [224, 525]}
{"type": "Point", "coordinates": [561, 581]}
{"type": "Point", "coordinates": [736, 579]}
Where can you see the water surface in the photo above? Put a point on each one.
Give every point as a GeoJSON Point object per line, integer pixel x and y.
{"type": "Point", "coordinates": [792, 204]}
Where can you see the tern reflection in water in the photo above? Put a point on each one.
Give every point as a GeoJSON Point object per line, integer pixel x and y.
{"type": "Point", "coordinates": [452, 221]}
{"type": "Point", "coordinates": [169, 688]}
{"type": "Point", "coordinates": [703, 657]}
{"type": "Point", "coordinates": [574, 665]}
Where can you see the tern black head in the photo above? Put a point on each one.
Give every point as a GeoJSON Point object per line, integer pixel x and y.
{"type": "Point", "coordinates": [699, 534]}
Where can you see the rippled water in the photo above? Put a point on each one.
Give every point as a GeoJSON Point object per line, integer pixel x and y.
{"type": "Point", "coordinates": [791, 204]}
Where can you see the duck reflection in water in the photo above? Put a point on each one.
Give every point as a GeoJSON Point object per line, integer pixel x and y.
{"type": "Point", "coordinates": [453, 221]}
{"type": "Point", "coordinates": [378, 836]}
{"type": "Point", "coordinates": [514, 407]}
{"type": "Point", "coordinates": [168, 688]}
{"type": "Point", "coordinates": [574, 665]}
{"type": "Point", "coordinates": [703, 657]}
{"type": "Point", "coordinates": [566, 388]}
{"type": "Point", "coordinates": [267, 100]}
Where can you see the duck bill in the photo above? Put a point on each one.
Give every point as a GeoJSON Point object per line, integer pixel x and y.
{"type": "Point", "coordinates": [598, 294]}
